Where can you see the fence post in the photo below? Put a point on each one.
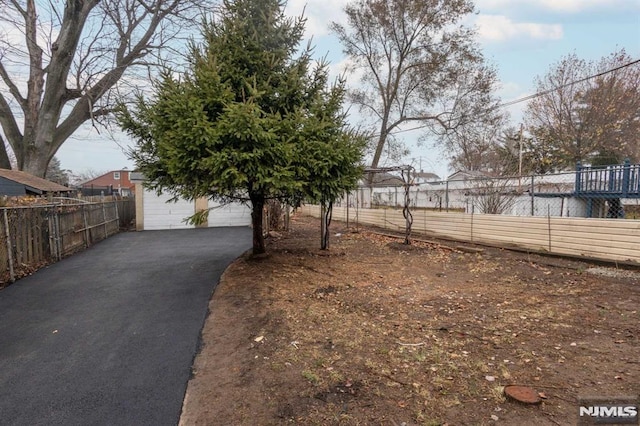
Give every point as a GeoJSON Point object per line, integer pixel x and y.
{"type": "Point", "coordinates": [59, 236]}
{"type": "Point", "coordinates": [578, 177]}
{"type": "Point", "coordinates": [347, 210]}
{"type": "Point", "coordinates": [87, 234]}
{"type": "Point", "coordinates": [533, 198]}
{"type": "Point", "coordinates": [12, 275]}
{"type": "Point", "coordinates": [121, 222]}
{"type": "Point", "coordinates": [53, 234]}
{"type": "Point", "coordinates": [104, 220]}
{"type": "Point", "coordinates": [446, 197]}
{"type": "Point", "coordinates": [626, 178]}
{"type": "Point", "coordinates": [472, 213]}
{"type": "Point", "coordinates": [549, 225]}
{"type": "Point", "coordinates": [358, 196]}
{"type": "Point", "coordinates": [52, 241]}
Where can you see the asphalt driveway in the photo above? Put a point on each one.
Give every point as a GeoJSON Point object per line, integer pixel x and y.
{"type": "Point", "coordinates": [108, 336]}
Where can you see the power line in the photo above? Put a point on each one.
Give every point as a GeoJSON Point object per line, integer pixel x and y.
{"type": "Point", "coordinates": [546, 92]}
{"type": "Point", "coordinates": [533, 96]}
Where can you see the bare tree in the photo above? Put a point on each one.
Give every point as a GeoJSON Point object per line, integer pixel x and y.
{"type": "Point", "coordinates": [587, 118]}
{"type": "Point", "coordinates": [480, 146]}
{"type": "Point", "coordinates": [61, 63]}
{"type": "Point", "coordinates": [78, 178]}
{"type": "Point", "coordinates": [419, 64]}
{"type": "Point", "coordinates": [493, 196]}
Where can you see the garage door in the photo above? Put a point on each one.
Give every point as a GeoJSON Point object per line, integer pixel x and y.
{"type": "Point", "coordinates": [233, 214]}
{"type": "Point", "coordinates": [158, 214]}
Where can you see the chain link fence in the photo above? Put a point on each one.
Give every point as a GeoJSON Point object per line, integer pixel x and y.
{"type": "Point", "coordinates": [589, 192]}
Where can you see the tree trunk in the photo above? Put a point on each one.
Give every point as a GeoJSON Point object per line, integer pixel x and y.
{"type": "Point", "coordinates": [36, 164]}
{"type": "Point", "coordinates": [257, 206]}
{"type": "Point", "coordinates": [5, 163]}
{"type": "Point", "coordinates": [382, 139]}
{"type": "Point", "coordinates": [326, 210]}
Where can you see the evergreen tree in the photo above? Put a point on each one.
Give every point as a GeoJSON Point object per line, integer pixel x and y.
{"type": "Point", "coordinates": [251, 120]}
{"type": "Point", "coordinates": [55, 172]}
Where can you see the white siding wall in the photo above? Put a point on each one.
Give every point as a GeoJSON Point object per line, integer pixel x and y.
{"type": "Point", "coordinates": [233, 214]}
{"type": "Point", "coordinates": [158, 214]}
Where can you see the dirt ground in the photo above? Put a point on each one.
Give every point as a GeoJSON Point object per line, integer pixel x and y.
{"type": "Point", "coordinates": [374, 332]}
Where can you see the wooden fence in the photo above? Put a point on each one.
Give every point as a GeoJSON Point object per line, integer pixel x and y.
{"type": "Point", "coordinates": [33, 236]}
{"type": "Point", "coordinates": [611, 240]}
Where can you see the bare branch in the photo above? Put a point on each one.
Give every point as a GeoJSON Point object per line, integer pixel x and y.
{"type": "Point", "coordinates": [414, 56]}
{"type": "Point", "coordinates": [13, 88]}
{"type": "Point", "coordinates": [76, 53]}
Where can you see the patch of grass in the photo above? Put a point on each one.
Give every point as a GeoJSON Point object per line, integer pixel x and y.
{"type": "Point", "coordinates": [320, 362]}
{"type": "Point", "coordinates": [336, 377]}
{"type": "Point", "coordinates": [420, 355]}
{"type": "Point", "coordinates": [497, 394]}
{"type": "Point", "coordinates": [505, 373]}
{"type": "Point", "coordinates": [311, 377]}
{"type": "Point", "coordinates": [481, 366]}
{"type": "Point", "coordinates": [421, 417]}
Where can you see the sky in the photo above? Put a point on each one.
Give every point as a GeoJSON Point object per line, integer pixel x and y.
{"type": "Point", "coordinates": [522, 38]}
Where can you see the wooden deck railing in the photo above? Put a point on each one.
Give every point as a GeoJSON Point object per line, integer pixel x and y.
{"type": "Point", "coordinates": [619, 181]}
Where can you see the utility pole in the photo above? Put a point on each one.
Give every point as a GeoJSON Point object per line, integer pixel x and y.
{"type": "Point", "coordinates": [520, 158]}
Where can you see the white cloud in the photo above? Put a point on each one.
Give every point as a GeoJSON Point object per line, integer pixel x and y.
{"type": "Point", "coordinates": [319, 14]}
{"type": "Point", "coordinates": [345, 67]}
{"type": "Point", "coordinates": [501, 28]}
{"type": "Point", "coordinates": [563, 6]}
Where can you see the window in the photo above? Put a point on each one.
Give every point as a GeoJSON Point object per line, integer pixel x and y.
{"type": "Point", "coordinates": [116, 175]}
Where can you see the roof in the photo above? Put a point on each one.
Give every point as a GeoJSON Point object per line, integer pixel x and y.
{"type": "Point", "coordinates": [382, 179]}
{"type": "Point", "coordinates": [34, 183]}
{"type": "Point", "coordinates": [467, 174]}
{"type": "Point", "coordinates": [88, 182]}
{"type": "Point", "coordinates": [427, 175]}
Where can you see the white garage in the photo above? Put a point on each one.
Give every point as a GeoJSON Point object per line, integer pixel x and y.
{"type": "Point", "coordinates": [153, 212]}
{"type": "Point", "coordinates": [160, 214]}
{"type": "Point", "coordinates": [234, 214]}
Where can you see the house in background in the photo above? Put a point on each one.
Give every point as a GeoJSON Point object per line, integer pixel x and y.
{"type": "Point", "coordinates": [116, 182]}
{"type": "Point", "coordinates": [425, 177]}
{"type": "Point", "coordinates": [18, 183]}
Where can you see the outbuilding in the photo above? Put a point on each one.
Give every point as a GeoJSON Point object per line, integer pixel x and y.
{"type": "Point", "coordinates": [16, 183]}
{"type": "Point", "coordinates": [156, 212]}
